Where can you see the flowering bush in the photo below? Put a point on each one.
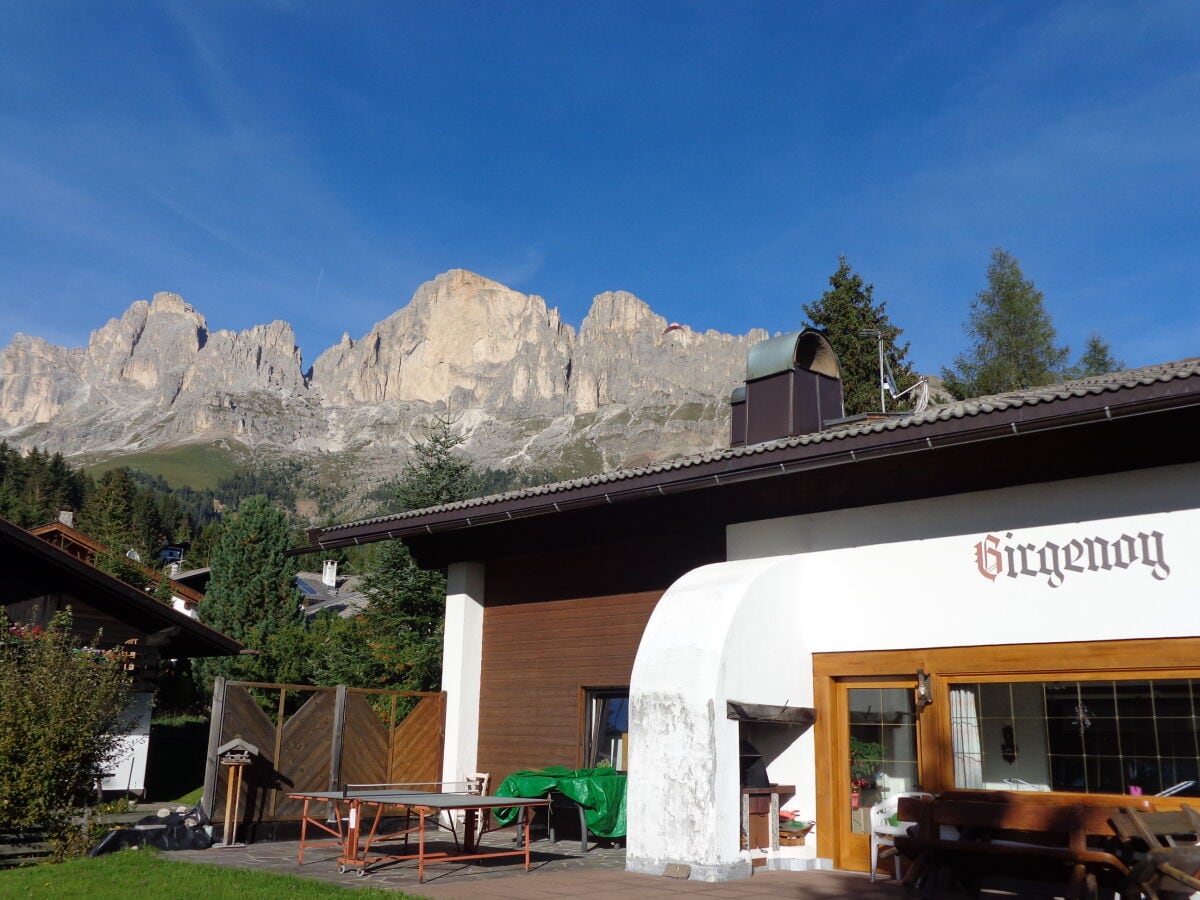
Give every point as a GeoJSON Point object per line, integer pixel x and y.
{"type": "Point", "coordinates": [61, 720]}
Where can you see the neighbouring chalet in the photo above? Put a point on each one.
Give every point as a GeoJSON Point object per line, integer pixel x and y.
{"type": "Point", "coordinates": [43, 578]}
{"type": "Point", "coordinates": [996, 593]}
{"type": "Point", "coordinates": [65, 536]}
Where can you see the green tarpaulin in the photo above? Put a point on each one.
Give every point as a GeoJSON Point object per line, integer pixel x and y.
{"type": "Point", "coordinates": [601, 793]}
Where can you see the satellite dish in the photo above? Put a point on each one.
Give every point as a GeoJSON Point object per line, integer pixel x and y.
{"type": "Point", "coordinates": [134, 555]}
{"type": "Point", "coordinates": [887, 381]}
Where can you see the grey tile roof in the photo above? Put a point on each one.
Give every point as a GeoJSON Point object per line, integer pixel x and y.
{"type": "Point", "coordinates": [964, 409]}
{"type": "Point", "coordinates": [345, 599]}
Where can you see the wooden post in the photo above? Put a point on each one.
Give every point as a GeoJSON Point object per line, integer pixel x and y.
{"type": "Point", "coordinates": [337, 745]}
{"type": "Point", "coordinates": [209, 798]}
{"type": "Point", "coordinates": [338, 739]}
{"type": "Point", "coordinates": [230, 810]}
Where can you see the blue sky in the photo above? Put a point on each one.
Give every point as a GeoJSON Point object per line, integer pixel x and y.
{"type": "Point", "coordinates": [315, 162]}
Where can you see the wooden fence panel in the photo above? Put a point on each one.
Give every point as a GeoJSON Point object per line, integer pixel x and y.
{"type": "Point", "coordinates": [330, 727]}
{"type": "Point", "coordinates": [365, 743]}
{"type": "Point", "coordinates": [417, 743]}
{"type": "Point", "coordinates": [304, 757]}
{"type": "Point", "coordinates": [244, 718]}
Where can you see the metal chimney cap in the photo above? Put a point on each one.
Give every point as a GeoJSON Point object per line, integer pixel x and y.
{"type": "Point", "coordinates": [808, 349]}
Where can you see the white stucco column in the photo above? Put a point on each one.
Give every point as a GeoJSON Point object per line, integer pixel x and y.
{"type": "Point", "coordinates": [707, 642]}
{"type": "Point", "coordinates": [461, 658]}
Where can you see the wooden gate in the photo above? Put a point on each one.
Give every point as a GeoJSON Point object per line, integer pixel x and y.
{"type": "Point", "coordinates": [320, 739]}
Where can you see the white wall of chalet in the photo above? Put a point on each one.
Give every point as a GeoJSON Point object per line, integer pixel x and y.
{"type": "Point", "coordinates": [1090, 559]}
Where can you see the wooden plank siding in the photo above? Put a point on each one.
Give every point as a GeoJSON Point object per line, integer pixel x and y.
{"type": "Point", "coordinates": [537, 659]}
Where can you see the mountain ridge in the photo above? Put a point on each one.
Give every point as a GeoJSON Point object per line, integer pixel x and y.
{"type": "Point", "coordinates": [524, 387]}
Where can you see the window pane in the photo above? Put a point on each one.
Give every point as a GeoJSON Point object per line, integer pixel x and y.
{"type": "Point", "coordinates": [866, 705]}
{"type": "Point", "coordinates": [883, 748]}
{"type": "Point", "coordinates": [1089, 736]}
{"type": "Point", "coordinates": [607, 729]}
{"type": "Point", "coordinates": [1173, 699]}
{"type": "Point", "coordinates": [896, 705]}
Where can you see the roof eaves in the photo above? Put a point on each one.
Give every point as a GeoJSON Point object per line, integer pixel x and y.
{"type": "Point", "coordinates": [589, 489]}
{"type": "Point", "coordinates": [166, 615]}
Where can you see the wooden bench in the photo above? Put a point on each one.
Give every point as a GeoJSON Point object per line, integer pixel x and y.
{"type": "Point", "coordinates": [1008, 841]}
{"type": "Point", "coordinates": [1172, 860]}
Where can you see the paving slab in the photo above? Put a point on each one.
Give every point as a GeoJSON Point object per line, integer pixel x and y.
{"type": "Point", "coordinates": [556, 870]}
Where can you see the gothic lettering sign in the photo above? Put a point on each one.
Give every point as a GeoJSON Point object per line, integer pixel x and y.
{"type": "Point", "coordinates": [1007, 556]}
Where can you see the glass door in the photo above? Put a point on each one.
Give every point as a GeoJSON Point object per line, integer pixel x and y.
{"type": "Point", "coordinates": [879, 754]}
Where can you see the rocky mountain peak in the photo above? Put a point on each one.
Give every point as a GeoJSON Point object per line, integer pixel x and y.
{"type": "Point", "coordinates": [622, 312]}
{"type": "Point", "coordinates": [524, 386]}
{"type": "Point", "coordinates": [165, 303]}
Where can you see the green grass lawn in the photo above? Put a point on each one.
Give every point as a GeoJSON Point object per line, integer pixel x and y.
{"type": "Point", "coordinates": [198, 466]}
{"type": "Point", "coordinates": [142, 873]}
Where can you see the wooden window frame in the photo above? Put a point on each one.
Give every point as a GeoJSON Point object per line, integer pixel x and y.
{"type": "Point", "coordinates": [1154, 658]}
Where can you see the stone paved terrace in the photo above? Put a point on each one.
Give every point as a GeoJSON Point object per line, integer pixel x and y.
{"type": "Point", "coordinates": [557, 870]}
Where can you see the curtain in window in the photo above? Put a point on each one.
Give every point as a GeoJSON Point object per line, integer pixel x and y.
{"type": "Point", "coordinates": [965, 738]}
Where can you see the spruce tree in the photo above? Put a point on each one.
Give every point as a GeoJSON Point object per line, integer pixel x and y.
{"type": "Point", "coordinates": [402, 627]}
{"type": "Point", "coordinates": [1097, 358]}
{"type": "Point", "coordinates": [1012, 337]}
{"type": "Point", "coordinates": [843, 312]}
{"type": "Point", "coordinates": [252, 594]}
{"type": "Point", "coordinates": [107, 514]}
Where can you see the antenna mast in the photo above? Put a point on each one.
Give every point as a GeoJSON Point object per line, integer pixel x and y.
{"type": "Point", "coordinates": [878, 335]}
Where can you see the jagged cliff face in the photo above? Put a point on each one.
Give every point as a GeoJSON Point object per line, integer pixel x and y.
{"type": "Point", "coordinates": [524, 387]}
{"type": "Point", "coordinates": [463, 337]}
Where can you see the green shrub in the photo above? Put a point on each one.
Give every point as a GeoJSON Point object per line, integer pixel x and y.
{"type": "Point", "coordinates": [61, 721]}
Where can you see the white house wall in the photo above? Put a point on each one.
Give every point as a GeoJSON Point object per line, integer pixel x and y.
{"type": "Point", "coordinates": [127, 767]}
{"type": "Point", "coordinates": [995, 567]}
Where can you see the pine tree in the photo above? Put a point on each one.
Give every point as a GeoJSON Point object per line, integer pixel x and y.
{"type": "Point", "coordinates": [1097, 358]}
{"type": "Point", "coordinates": [107, 517]}
{"type": "Point", "coordinates": [252, 594]}
{"type": "Point", "coordinates": [1012, 337]}
{"type": "Point", "coordinates": [402, 627]}
{"type": "Point", "coordinates": [843, 312]}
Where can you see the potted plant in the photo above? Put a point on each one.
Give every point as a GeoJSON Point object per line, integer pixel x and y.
{"type": "Point", "coordinates": [866, 759]}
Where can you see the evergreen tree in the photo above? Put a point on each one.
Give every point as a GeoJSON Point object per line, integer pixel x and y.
{"type": "Point", "coordinates": [200, 553]}
{"type": "Point", "coordinates": [34, 487]}
{"type": "Point", "coordinates": [146, 527]}
{"type": "Point", "coordinates": [402, 628]}
{"type": "Point", "coordinates": [1097, 358]}
{"type": "Point", "coordinates": [1012, 337]}
{"type": "Point", "coordinates": [843, 312]}
{"type": "Point", "coordinates": [252, 594]}
{"type": "Point", "coordinates": [433, 474]}
{"type": "Point", "coordinates": [107, 516]}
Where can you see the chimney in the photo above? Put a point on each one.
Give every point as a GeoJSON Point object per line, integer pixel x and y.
{"type": "Point", "coordinates": [329, 573]}
{"type": "Point", "coordinates": [66, 517]}
{"type": "Point", "coordinates": [793, 387]}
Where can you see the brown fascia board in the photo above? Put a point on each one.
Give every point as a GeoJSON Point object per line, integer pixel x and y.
{"type": "Point", "coordinates": [982, 421]}
{"type": "Point", "coordinates": [198, 638]}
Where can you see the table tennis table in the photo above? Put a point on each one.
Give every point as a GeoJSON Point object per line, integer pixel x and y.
{"type": "Point", "coordinates": [352, 804]}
